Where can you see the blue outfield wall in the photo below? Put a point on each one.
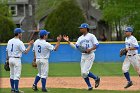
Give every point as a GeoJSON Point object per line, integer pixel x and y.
{"type": "Point", "coordinates": [107, 52]}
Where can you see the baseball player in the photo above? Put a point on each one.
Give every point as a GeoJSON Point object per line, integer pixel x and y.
{"type": "Point", "coordinates": [42, 51]}
{"type": "Point", "coordinates": [15, 48]}
{"type": "Point", "coordinates": [131, 56]}
{"type": "Point", "coordinates": [90, 43]}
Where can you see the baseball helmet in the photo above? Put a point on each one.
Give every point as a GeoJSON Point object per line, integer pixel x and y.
{"type": "Point", "coordinates": [128, 29]}
{"type": "Point", "coordinates": [43, 32]}
{"type": "Point", "coordinates": [18, 30]}
{"type": "Point", "coordinates": [84, 25]}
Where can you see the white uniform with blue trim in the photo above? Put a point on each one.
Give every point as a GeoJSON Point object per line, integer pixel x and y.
{"type": "Point", "coordinates": [42, 51]}
{"type": "Point", "coordinates": [87, 41]}
{"type": "Point", "coordinates": [132, 55]}
{"type": "Point", "coordinates": [15, 48]}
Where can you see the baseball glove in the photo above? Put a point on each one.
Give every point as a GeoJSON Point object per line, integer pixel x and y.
{"type": "Point", "coordinates": [6, 66]}
{"type": "Point", "coordinates": [34, 64]}
{"type": "Point", "coordinates": [81, 49]}
{"type": "Point", "coordinates": [123, 52]}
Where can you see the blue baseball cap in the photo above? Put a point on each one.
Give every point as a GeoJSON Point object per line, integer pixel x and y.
{"type": "Point", "coordinates": [43, 32]}
{"type": "Point", "coordinates": [18, 30]}
{"type": "Point", "coordinates": [84, 25]}
{"type": "Point", "coordinates": [128, 29]}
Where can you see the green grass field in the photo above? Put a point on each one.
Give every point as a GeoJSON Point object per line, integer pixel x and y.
{"type": "Point", "coordinates": [72, 70]}
{"type": "Point", "coordinates": [62, 90]}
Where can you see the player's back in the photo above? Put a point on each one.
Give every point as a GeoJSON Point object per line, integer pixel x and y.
{"type": "Point", "coordinates": [42, 48]}
{"type": "Point", "coordinates": [15, 47]}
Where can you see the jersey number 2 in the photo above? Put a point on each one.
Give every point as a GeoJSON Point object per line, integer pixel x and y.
{"type": "Point", "coordinates": [39, 49]}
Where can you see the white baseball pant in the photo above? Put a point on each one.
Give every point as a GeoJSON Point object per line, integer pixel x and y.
{"type": "Point", "coordinates": [86, 63]}
{"type": "Point", "coordinates": [134, 60]}
{"type": "Point", "coordinates": [43, 67]}
{"type": "Point", "coordinates": [15, 68]}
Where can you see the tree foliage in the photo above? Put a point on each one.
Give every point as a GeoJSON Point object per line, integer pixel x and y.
{"type": "Point", "coordinates": [65, 20]}
{"type": "Point", "coordinates": [6, 24]}
{"type": "Point", "coordinates": [6, 29]}
{"type": "Point", "coordinates": [45, 7]}
{"type": "Point", "coordinates": [4, 10]}
{"type": "Point", "coordinates": [121, 12]}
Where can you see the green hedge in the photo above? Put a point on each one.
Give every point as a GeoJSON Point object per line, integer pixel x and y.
{"type": "Point", "coordinates": [65, 20]}
{"type": "Point", "coordinates": [6, 29]}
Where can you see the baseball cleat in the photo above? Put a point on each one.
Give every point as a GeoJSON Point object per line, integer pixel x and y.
{"type": "Point", "coordinates": [91, 88]}
{"type": "Point", "coordinates": [34, 87]}
{"type": "Point", "coordinates": [19, 91]}
{"type": "Point", "coordinates": [129, 84]}
{"type": "Point", "coordinates": [44, 90]}
{"type": "Point", "coordinates": [97, 82]}
{"type": "Point", "coordinates": [12, 91]}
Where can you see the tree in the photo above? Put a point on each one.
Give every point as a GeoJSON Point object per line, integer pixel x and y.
{"type": "Point", "coordinates": [65, 19]}
{"type": "Point", "coordinates": [6, 29]}
{"type": "Point", "coordinates": [45, 7]}
{"type": "Point", "coordinates": [121, 12]}
{"type": "Point", "coordinates": [6, 24]}
{"type": "Point", "coordinates": [4, 10]}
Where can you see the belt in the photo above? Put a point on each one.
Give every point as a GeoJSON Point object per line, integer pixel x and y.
{"type": "Point", "coordinates": [131, 55]}
{"type": "Point", "coordinates": [41, 58]}
{"type": "Point", "coordinates": [14, 57]}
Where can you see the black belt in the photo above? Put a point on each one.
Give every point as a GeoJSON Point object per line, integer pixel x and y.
{"type": "Point", "coordinates": [15, 57]}
{"type": "Point", "coordinates": [131, 55]}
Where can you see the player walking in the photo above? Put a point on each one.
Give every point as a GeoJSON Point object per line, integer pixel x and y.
{"type": "Point", "coordinates": [90, 43]}
{"type": "Point", "coordinates": [131, 56]}
{"type": "Point", "coordinates": [42, 51]}
{"type": "Point", "coordinates": [15, 48]}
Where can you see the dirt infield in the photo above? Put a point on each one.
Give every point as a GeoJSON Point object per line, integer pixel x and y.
{"type": "Point", "coordinates": [107, 83]}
